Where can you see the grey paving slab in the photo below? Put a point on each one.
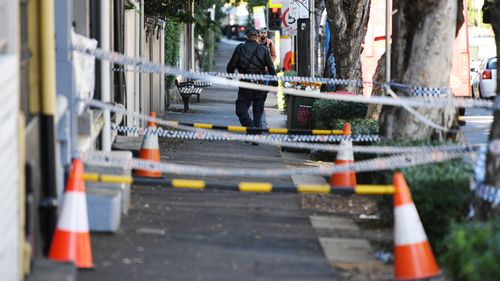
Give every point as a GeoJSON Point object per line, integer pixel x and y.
{"type": "Point", "coordinates": [347, 250]}
{"type": "Point", "coordinates": [333, 222]}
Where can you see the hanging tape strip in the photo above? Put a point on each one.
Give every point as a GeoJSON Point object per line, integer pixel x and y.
{"type": "Point", "coordinates": [220, 78]}
{"type": "Point", "coordinates": [385, 163]}
{"type": "Point", "coordinates": [259, 139]}
{"type": "Point", "coordinates": [284, 140]}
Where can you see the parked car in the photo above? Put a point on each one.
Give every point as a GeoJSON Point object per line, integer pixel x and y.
{"type": "Point", "coordinates": [485, 83]}
{"type": "Point", "coordinates": [237, 32]}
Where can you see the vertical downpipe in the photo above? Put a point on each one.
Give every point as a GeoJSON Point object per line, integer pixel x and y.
{"type": "Point", "coordinates": [48, 204]}
{"type": "Point", "coordinates": [105, 74]}
{"type": "Point", "coordinates": [388, 16]}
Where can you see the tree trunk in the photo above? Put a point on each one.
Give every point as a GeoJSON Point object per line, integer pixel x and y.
{"type": "Point", "coordinates": [379, 75]}
{"type": "Point", "coordinates": [492, 178]}
{"type": "Point", "coordinates": [348, 22]}
{"type": "Point", "coordinates": [422, 38]}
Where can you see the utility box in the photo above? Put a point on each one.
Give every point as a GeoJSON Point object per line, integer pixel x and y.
{"type": "Point", "coordinates": [299, 112]}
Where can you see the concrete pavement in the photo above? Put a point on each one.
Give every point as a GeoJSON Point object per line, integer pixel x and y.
{"type": "Point", "coordinates": [212, 235]}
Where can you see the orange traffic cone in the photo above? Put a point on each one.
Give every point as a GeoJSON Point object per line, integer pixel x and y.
{"type": "Point", "coordinates": [150, 151]}
{"type": "Point", "coordinates": [344, 156]}
{"type": "Point", "coordinates": [71, 241]}
{"type": "Point", "coordinates": [413, 258]}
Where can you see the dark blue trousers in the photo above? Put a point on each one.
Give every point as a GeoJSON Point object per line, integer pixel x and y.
{"type": "Point", "coordinates": [247, 97]}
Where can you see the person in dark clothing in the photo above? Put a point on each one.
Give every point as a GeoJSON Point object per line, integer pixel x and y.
{"type": "Point", "coordinates": [251, 58]}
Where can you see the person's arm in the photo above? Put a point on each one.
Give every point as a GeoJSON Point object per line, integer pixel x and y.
{"type": "Point", "coordinates": [269, 63]}
{"type": "Point", "coordinates": [273, 51]}
{"type": "Point", "coordinates": [233, 62]}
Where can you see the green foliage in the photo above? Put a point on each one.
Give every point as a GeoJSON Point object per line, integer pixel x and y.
{"type": "Point", "coordinates": [172, 9]}
{"type": "Point", "coordinates": [205, 27]}
{"type": "Point", "coordinates": [440, 192]}
{"type": "Point", "coordinates": [172, 46]}
{"type": "Point", "coordinates": [176, 11]}
{"type": "Point", "coordinates": [473, 251]}
{"type": "Point", "coordinates": [326, 112]}
{"type": "Point", "coordinates": [359, 126]}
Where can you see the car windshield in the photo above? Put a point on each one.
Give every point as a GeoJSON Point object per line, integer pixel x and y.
{"type": "Point", "coordinates": [492, 64]}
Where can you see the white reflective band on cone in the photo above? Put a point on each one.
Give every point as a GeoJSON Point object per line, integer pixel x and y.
{"type": "Point", "coordinates": [345, 153]}
{"type": "Point", "coordinates": [150, 142]}
{"type": "Point", "coordinates": [408, 228]}
{"type": "Point", "coordinates": [74, 206]}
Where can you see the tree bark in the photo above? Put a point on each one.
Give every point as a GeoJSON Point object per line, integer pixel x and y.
{"type": "Point", "coordinates": [348, 22]}
{"type": "Point", "coordinates": [422, 38]}
{"type": "Point", "coordinates": [379, 75]}
{"type": "Point", "coordinates": [492, 177]}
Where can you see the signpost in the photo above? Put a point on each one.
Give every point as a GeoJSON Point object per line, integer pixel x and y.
{"type": "Point", "coordinates": [289, 17]}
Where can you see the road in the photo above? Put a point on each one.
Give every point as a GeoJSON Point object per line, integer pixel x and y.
{"type": "Point", "coordinates": [478, 125]}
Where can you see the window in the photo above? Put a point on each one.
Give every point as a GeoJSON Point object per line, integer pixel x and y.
{"type": "Point", "coordinates": [492, 64]}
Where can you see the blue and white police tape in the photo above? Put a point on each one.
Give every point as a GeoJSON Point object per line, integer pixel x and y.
{"type": "Point", "coordinates": [201, 133]}
{"type": "Point", "coordinates": [377, 164]}
{"type": "Point", "coordinates": [284, 140]}
{"type": "Point", "coordinates": [220, 78]}
{"type": "Point", "coordinates": [488, 193]}
{"type": "Point", "coordinates": [208, 135]}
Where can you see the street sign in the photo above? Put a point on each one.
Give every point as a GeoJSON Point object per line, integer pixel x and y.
{"type": "Point", "coordinates": [289, 16]}
{"type": "Point", "coordinates": [303, 7]}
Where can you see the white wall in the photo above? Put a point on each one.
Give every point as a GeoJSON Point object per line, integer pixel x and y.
{"type": "Point", "coordinates": [132, 50]}
{"type": "Point", "coordinates": [9, 146]}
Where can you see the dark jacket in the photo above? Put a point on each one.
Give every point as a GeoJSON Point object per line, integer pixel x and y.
{"type": "Point", "coordinates": [251, 58]}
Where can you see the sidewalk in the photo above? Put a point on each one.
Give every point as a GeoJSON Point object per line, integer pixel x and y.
{"type": "Point", "coordinates": [213, 235]}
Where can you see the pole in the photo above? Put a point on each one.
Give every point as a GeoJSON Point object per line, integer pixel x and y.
{"type": "Point", "coordinates": [303, 47]}
{"type": "Point", "coordinates": [141, 54]}
{"type": "Point", "coordinates": [105, 74]}
{"type": "Point", "coordinates": [312, 38]}
{"type": "Point", "coordinates": [388, 15]}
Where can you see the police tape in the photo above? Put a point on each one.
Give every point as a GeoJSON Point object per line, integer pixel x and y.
{"type": "Point", "coordinates": [478, 188]}
{"type": "Point", "coordinates": [284, 140]}
{"type": "Point", "coordinates": [202, 133]}
{"type": "Point", "coordinates": [488, 193]}
{"type": "Point", "coordinates": [208, 135]}
{"type": "Point", "coordinates": [377, 164]}
{"type": "Point", "coordinates": [494, 147]}
{"type": "Point", "coordinates": [419, 116]}
{"type": "Point", "coordinates": [434, 101]}
{"type": "Point", "coordinates": [412, 90]}
{"type": "Point", "coordinates": [362, 189]}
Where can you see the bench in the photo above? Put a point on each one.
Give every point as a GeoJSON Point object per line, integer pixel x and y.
{"type": "Point", "coordinates": [188, 88]}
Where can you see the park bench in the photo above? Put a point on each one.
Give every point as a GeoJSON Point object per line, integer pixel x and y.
{"type": "Point", "coordinates": [189, 88]}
